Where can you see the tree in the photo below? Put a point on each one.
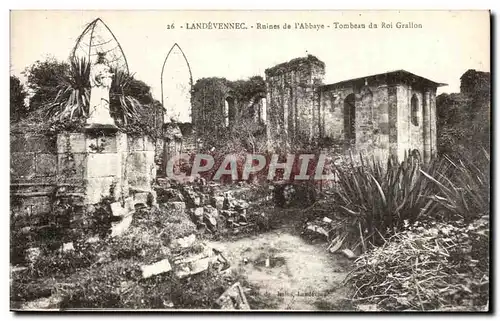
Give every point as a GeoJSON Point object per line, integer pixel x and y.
{"type": "Point", "coordinates": [43, 78]}
{"type": "Point", "coordinates": [18, 109]}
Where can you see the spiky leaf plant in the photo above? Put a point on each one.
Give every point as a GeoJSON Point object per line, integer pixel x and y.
{"type": "Point", "coordinates": [73, 98]}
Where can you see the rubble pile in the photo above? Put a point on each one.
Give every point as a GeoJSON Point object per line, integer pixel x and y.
{"type": "Point", "coordinates": [210, 207]}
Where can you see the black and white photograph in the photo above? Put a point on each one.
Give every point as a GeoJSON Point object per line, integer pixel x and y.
{"type": "Point", "coordinates": [225, 160]}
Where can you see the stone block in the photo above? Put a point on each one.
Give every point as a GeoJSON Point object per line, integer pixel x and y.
{"type": "Point", "coordinates": [121, 142]}
{"type": "Point", "coordinates": [212, 211]}
{"type": "Point", "coordinates": [71, 165]}
{"type": "Point", "coordinates": [135, 143]}
{"type": "Point", "coordinates": [193, 267]}
{"type": "Point", "coordinates": [97, 187]}
{"type": "Point", "coordinates": [149, 144]}
{"type": "Point", "coordinates": [177, 206]}
{"type": "Point", "coordinates": [183, 242]}
{"type": "Point", "coordinates": [33, 143]}
{"type": "Point", "coordinates": [107, 144]}
{"type": "Point", "coordinates": [119, 228]}
{"type": "Point", "coordinates": [67, 247]}
{"type": "Point", "coordinates": [117, 209]}
{"type": "Point", "coordinates": [129, 203]}
{"type": "Point", "coordinates": [41, 208]}
{"type": "Point", "coordinates": [233, 299]}
{"type": "Point", "coordinates": [22, 165]}
{"type": "Point", "coordinates": [102, 165]}
{"type": "Point", "coordinates": [218, 202]}
{"type": "Point", "coordinates": [141, 198]}
{"type": "Point", "coordinates": [72, 142]}
{"type": "Point", "coordinates": [141, 170]}
{"type": "Point", "coordinates": [46, 164]}
{"type": "Point", "coordinates": [160, 267]}
{"type": "Point", "coordinates": [198, 212]}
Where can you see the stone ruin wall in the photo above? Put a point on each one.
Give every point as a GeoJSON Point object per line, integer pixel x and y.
{"type": "Point", "coordinates": [82, 168]}
{"type": "Point", "coordinates": [293, 101]}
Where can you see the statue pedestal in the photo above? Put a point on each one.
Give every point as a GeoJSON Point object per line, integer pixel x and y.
{"type": "Point", "coordinates": [101, 129]}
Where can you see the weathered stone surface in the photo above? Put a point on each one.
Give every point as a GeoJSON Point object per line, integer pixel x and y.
{"type": "Point", "coordinates": [97, 187]}
{"type": "Point", "coordinates": [209, 210]}
{"type": "Point", "coordinates": [129, 203]}
{"type": "Point", "coordinates": [177, 206]}
{"type": "Point", "coordinates": [183, 242]}
{"type": "Point", "coordinates": [71, 165]}
{"type": "Point", "coordinates": [67, 247]}
{"type": "Point", "coordinates": [194, 263]}
{"type": "Point", "coordinates": [72, 143]}
{"type": "Point", "coordinates": [141, 198]}
{"type": "Point", "coordinates": [107, 144]}
{"type": "Point", "coordinates": [103, 165]}
{"type": "Point", "coordinates": [136, 143]}
{"type": "Point", "coordinates": [46, 164]}
{"type": "Point", "coordinates": [141, 169]}
{"type": "Point", "coordinates": [118, 210]}
{"type": "Point", "coordinates": [218, 202]}
{"type": "Point", "coordinates": [192, 198]}
{"type": "Point", "coordinates": [228, 213]}
{"type": "Point", "coordinates": [233, 299]}
{"type": "Point", "coordinates": [149, 144]}
{"type": "Point", "coordinates": [160, 267]}
{"type": "Point", "coordinates": [119, 228]}
{"type": "Point", "coordinates": [22, 165]}
{"type": "Point", "coordinates": [24, 142]}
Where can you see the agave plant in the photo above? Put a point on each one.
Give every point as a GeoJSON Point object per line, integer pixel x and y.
{"type": "Point", "coordinates": [72, 100]}
{"type": "Point", "coordinates": [465, 194]}
{"type": "Point", "coordinates": [124, 107]}
{"type": "Point", "coordinates": [372, 202]}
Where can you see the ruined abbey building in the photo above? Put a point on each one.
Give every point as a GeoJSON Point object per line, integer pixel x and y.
{"type": "Point", "coordinates": [381, 115]}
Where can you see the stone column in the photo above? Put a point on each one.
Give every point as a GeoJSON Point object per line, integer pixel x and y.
{"type": "Point", "coordinates": [433, 124]}
{"type": "Point", "coordinates": [426, 123]}
{"type": "Point", "coordinates": [392, 120]}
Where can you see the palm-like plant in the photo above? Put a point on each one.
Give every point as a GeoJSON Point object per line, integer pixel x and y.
{"type": "Point", "coordinates": [74, 90]}
{"type": "Point", "coordinates": [72, 100]}
{"type": "Point", "coordinates": [124, 107]}
{"type": "Point", "coordinates": [372, 202]}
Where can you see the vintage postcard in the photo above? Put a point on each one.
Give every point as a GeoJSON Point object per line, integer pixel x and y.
{"type": "Point", "coordinates": [250, 160]}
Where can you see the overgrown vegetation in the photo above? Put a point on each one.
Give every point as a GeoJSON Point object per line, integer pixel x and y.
{"type": "Point", "coordinates": [18, 93]}
{"type": "Point", "coordinates": [61, 96]}
{"type": "Point", "coordinates": [424, 229]}
{"type": "Point", "coordinates": [372, 202]}
{"type": "Point", "coordinates": [428, 266]}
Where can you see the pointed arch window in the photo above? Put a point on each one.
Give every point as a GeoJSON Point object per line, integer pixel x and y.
{"type": "Point", "coordinates": [414, 110]}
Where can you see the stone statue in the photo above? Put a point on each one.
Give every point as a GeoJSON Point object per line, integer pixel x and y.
{"type": "Point", "coordinates": [100, 81]}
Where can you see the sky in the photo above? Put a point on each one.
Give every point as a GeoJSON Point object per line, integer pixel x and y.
{"type": "Point", "coordinates": [448, 44]}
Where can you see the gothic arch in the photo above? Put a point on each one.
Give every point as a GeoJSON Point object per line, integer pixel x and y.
{"type": "Point", "coordinates": [175, 46]}
{"type": "Point", "coordinates": [98, 37]}
{"type": "Point", "coordinates": [414, 110]}
{"type": "Point", "coordinates": [179, 90]}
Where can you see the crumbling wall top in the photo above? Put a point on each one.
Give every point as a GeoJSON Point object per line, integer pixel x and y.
{"type": "Point", "coordinates": [293, 65]}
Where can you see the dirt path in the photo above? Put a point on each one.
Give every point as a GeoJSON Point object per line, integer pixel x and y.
{"type": "Point", "coordinates": [299, 275]}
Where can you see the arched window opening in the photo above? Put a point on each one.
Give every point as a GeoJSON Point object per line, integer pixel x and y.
{"type": "Point", "coordinates": [228, 111]}
{"type": "Point", "coordinates": [414, 110]}
{"type": "Point", "coordinates": [350, 118]}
